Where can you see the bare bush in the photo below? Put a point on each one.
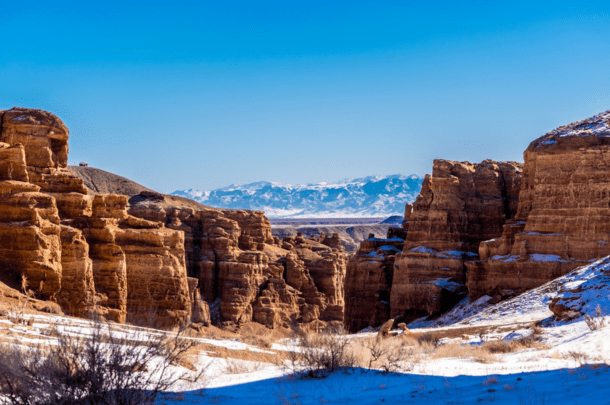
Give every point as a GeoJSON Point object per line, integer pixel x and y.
{"type": "Point", "coordinates": [391, 355]}
{"type": "Point", "coordinates": [16, 314]}
{"type": "Point", "coordinates": [107, 367]}
{"type": "Point", "coordinates": [429, 338]}
{"type": "Point", "coordinates": [319, 355]}
{"type": "Point", "coordinates": [597, 322]}
{"type": "Point", "coordinates": [234, 366]}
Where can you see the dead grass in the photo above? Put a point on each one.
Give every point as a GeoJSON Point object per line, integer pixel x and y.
{"type": "Point", "coordinates": [234, 366]}
{"type": "Point", "coordinates": [464, 351]}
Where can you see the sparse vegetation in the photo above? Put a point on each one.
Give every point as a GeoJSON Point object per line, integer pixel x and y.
{"type": "Point", "coordinates": [321, 354]}
{"type": "Point", "coordinates": [109, 366]}
{"type": "Point", "coordinates": [234, 366]}
{"type": "Point", "coordinates": [597, 322]}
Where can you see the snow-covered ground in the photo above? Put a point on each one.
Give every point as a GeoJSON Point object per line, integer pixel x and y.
{"type": "Point", "coordinates": [568, 364]}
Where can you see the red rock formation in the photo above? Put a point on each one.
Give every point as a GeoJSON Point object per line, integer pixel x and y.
{"type": "Point", "coordinates": [562, 218]}
{"type": "Point", "coordinates": [368, 283]}
{"type": "Point", "coordinates": [30, 243]}
{"type": "Point", "coordinates": [200, 309]}
{"type": "Point", "coordinates": [255, 276]}
{"type": "Point", "coordinates": [77, 294]}
{"type": "Point", "coordinates": [459, 206]}
{"type": "Point", "coordinates": [90, 257]}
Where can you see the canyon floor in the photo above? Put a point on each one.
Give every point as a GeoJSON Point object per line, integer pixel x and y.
{"type": "Point", "coordinates": [351, 231]}
{"type": "Point", "coordinates": [472, 354]}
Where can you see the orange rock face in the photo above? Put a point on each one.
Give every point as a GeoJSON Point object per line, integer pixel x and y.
{"type": "Point", "coordinates": [30, 242]}
{"type": "Point", "coordinates": [563, 214]}
{"type": "Point", "coordinates": [254, 275]}
{"type": "Point", "coordinates": [368, 283]}
{"type": "Point", "coordinates": [459, 206]}
{"type": "Point", "coordinates": [89, 256]}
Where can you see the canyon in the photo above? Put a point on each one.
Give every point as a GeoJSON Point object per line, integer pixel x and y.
{"type": "Point", "coordinates": [494, 228]}
{"type": "Point", "coordinates": [102, 246]}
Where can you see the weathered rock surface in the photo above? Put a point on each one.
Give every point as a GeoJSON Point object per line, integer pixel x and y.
{"type": "Point", "coordinates": [89, 256]}
{"type": "Point", "coordinates": [30, 243]}
{"type": "Point", "coordinates": [368, 283]}
{"type": "Point", "coordinates": [563, 217]}
{"type": "Point", "coordinates": [199, 308]}
{"type": "Point", "coordinates": [256, 276]}
{"type": "Point", "coordinates": [459, 206]}
{"type": "Point", "coordinates": [584, 291]}
{"type": "Point", "coordinates": [77, 294]}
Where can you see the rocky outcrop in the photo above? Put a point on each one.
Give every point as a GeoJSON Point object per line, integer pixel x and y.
{"type": "Point", "coordinates": [563, 216]}
{"type": "Point", "coordinates": [88, 255]}
{"type": "Point", "coordinates": [77, 294]}
{"type": "Point", "coordinates": [460, 205]}
{"type": "Point", "coordinates": [199, 308]}
{"type": "Point", "coordinates": [368, 282]}
{"type": "Point", "coordinates": [30, 243]}
{"type": "Point", "coordinates": [256, 276]}
{"type": "Point", "coordinates": [583, 291]}
{"type": "Point", "coordinates": [327, 266]}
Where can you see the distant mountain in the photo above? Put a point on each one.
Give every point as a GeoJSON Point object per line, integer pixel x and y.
{"type": "Point", "coordinates": [373, 196]}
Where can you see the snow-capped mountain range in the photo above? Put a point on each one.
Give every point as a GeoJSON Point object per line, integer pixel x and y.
{"type": "Point", "coordinates": [373, 196]}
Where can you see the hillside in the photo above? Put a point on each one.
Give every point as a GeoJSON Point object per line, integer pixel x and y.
{"type": "Point", "coordinates": [373, 196]}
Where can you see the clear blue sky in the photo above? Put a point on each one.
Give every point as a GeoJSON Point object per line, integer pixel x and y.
{"type": "Point", "coordinates": [200, 95]}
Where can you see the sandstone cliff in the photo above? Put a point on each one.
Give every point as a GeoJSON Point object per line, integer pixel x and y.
{"type": "Point", "coordinates": [368, 282]}
{"type": "Point", "coordinates": [88, 255]}
{"type": "Point", "coordinates": [460, 205]}
{"type": "Point", "coordinates": [562, 221]}
{"type": "Point", "coordinates": [255, 276]}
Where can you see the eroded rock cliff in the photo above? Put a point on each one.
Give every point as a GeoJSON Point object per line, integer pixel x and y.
{"type": "Point", "coordinates": [460, 205]}
{"type": "Point", "coordinates": [563, 216]}
{"type": "Point", "coordinates": [368, 282]}
{"type": "Point", "coordinates": [88, 255]}
{"type": "Point", "coordinates": [256, 276]}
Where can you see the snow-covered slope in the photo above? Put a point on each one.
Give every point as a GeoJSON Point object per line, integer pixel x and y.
{"type": "Point", "coordinates": [373, 196]}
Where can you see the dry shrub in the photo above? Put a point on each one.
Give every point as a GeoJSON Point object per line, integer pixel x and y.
{"type": "Point", "coordinates": [597, 322]}
{"type": "Point", "coordinates": [430, 339]}
{"type": "Point", "coordinates": [321, 354]}
{"type": "Point", "coordinates": [578, 356]}
{"type": "Point", "coordinates": [264, 342]}
{"type": "Point", "coordinates": [485, 352]}
{"type": "Point", "coordinates": [110, 366]}
{"type": "Point", "coordinates": [234, 366]}
{"type": "Point", "coordinates": [392, 355]}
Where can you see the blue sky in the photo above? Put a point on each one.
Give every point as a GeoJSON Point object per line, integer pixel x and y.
{"type": "Point", "coordinates": [200, 95]}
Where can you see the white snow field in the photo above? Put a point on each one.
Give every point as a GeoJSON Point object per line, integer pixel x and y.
{"type": "Point", "coordinates": [570, 364]}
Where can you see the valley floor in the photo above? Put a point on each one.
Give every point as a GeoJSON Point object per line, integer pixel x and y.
{"type": "Point", "coordinates": [569, 363]}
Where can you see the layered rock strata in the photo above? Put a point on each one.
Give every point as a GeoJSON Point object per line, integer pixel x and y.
{"type": "Point", "coordinates": [368, 282]}
{"type": "Point", "coordinates": [88, 255]}
{"type": "Point", "coordinates": [563, 216]}
{"type": "Point", "coordinates": [460, 205]}
{"type": "Point", "coordinates": [256, 276]}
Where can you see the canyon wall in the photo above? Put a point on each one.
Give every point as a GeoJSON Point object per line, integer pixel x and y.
{"type": "Point", "coordinates": [563, 216]}
{"type": "Point", "coordinates": [368, 282]}
{"type": "Point", "coordinates": [460, 205]}
{"type": "Point", "coordinates": [254, 275]}
{"type": "Point", "coordinates": [87, 254]}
